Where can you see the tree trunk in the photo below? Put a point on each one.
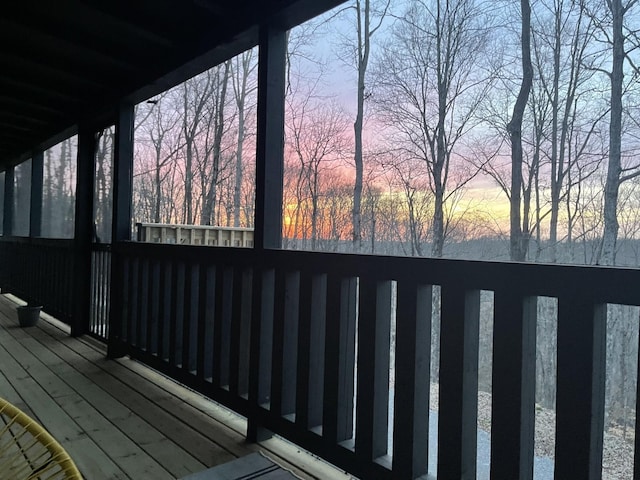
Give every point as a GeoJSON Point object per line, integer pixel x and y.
{"type": "Point", "coordinates": [556, 170]}
{"type": "Point", "coordinates": [241, 96]}
{"type": "Point", "coordinates": [443, 61]}
{"type": "Point", "coordinates": [518, 238]}
{"type": "Point", "coordinates": [614, 169]}
{"type": "Point", "coordinates": [363, 60]}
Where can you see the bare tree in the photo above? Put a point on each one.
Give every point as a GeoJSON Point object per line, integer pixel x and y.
{"type": "Point", "coordinates": [429, 89]}
{"type": "Point", "coordinates": [243, 68]}
{"type": "Point", "coordinates": [315, 137]}
{"type": "Point", "coordinates": [196, 95]}
{"type": "Point", "coordinates": [209, 148]}
{"type": "Point", "coordinates": [103, 185]}
{"type": "Point", "coordinates": [562, 36]}
{"type": "Point", "coordinates": [159, 130]}
{"type": "Point", "coordinates": [364, 31]}
{"type": "Point", "coordinates": [519, 240]}
{"type": "Point", "coordinates": [623, 40]}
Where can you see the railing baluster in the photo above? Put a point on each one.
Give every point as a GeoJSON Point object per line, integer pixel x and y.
{"type": "Point", "coordinates": [303, 346]}
{"type": "Point", "coordinates": [337, 422]}
{"type": "Point", "coordinates": [93, 302]}
{"type": "Point", "coordinates": [222, 336]}
{"type": "Point", "coordinates": [244, 339]}
{"type": "Point", "coordinates": [372, 404]}
{"type": "Point", "coordinates": [513, 386]}
{"type": "Point", "coordinates": [101, 293]}
{"type": "Point", "coordinates": [457, 419]}
{"type": "Point", "coordinates": [204, 325]}
{"type": "Point", "coordinates": [266, 293]}
{"type": "Point", "coordinates": [134, 299]}
{"type": "Point", "coordinates": [581, 383]}
{"type": "Point", "coordinates": [174, 314]}
{"type": "Point", "coordinates": [235, 331]}
{"type": "Point", "coordinates": [152, 307]}
{"type": "Point", "coordinates": [188, 331]}
{"type": "Point", "coordinates": [143, 302]}
{"type": "Point", "coordinates": [280, 293]}
{"type": "Point", "coordinates": [412, 384]}
{"type": "Point", "coordinates": [316, 349]}
{"type": "Point", "coordinates": [290, 342]}
{"type": "Point", "coordinates": [181, 299]}
{"type": "Point", "coordinates": [99, 322]}
{"type": "Point", "coordinates": [121, 314]}
{"type": "Point", "coordinates": [107, 303]}
{"type": "Point", "coordinates": [102, 328]}
{"type": "Point", "coordinates": [164, 310]}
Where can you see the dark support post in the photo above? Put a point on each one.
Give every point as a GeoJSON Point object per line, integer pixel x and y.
{"type": "Point", "coordinates": [581, 381]}
{"type": "Point", "coordinates": [35, 222]}
{"type": "Point", "coordinates": [269, 178]}
{"type": "Point", "coordinates": [123, 174]}
{"type": "Point", "coordinates": [270, 148]}
{"type": "Point", "coordinates": [9, 201]}
{"type": "Point", "coordinates": [83, 231]}
{"type": "Point", "coordinates": [121, 226]}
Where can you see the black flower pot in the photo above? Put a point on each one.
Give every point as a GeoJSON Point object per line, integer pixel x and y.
{"type": "Point", "coordinates": [28, 315]}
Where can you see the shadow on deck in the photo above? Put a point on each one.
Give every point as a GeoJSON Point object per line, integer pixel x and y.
{"type": "Point", "coordinates": [119, 419]}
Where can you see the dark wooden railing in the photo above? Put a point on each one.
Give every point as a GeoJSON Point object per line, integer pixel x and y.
{"type": "Point", "coordinates": [40, 271]}
{"type": "Point", "coordinates": [292, 339]}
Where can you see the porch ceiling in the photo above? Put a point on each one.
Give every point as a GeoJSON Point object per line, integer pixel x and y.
{"type": "Point", "coordinates": [67, 61]}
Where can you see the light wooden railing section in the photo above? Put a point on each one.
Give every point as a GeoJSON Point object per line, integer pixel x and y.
{"type": "Point", "coordinates": [28, 451]}
{"type": "Point", "coordinates": [212, 236]}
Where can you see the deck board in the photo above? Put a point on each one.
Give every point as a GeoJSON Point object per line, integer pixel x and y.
{"type": "Point", "coordinates": [119, 419]}
{"type": "Point", "coordinates": [90, 458]}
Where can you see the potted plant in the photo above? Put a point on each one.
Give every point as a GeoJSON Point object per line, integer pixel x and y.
{"type": "Point", "coordinates": [28, 314]}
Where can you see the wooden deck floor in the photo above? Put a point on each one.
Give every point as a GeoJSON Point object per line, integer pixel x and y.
{"type": "Point", "coordinates": [119, 419]}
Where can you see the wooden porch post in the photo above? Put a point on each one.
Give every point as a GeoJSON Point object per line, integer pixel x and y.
{"type": "Point", "coordinates": [83, 231]}
{"type": "Point", "coordinates": [269, 179]}
{"type": "Point", "coordinates": [121, 220]}
{"type": "Point", "coordinates": [35, 219]}
{"type": "Point", "coordinates": [9, 201]}
{"type": "Point", "coordinates": [270, 147]}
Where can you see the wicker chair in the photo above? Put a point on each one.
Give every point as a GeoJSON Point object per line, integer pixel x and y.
{"type": "Point", "coordinates": [28, 451]}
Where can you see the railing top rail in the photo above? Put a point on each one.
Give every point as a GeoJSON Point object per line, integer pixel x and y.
{"type": "Point", "coordinates": [597, 284]}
